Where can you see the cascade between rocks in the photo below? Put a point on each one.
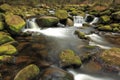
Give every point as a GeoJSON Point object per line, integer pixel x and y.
{"type": "Point", "coordinates": [61, 34]}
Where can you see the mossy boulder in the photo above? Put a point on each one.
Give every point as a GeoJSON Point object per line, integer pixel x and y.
{"type": "Point", "coordinates": [105, 28]}
{"type": "Point", "coordinates": [116, 15]}
{"type": "Point", "coordinates": [68, 58]}
{"type": "Point", "coordinates": [61, 14]}
{"type": "Point", "coordinates": [80, 34]}
{"type": "Point", "coordinates": [15, 23]}
{"type": "Point", "coordinates": [69, 22]}
{"type": "Point", "coordinates": [27, 73]}
{"type": "Point", "coordinates": [1, 25]}
{"type": "Point", "coordinates": [5, 7]}
{"type": "Point", "coordinates": [56, 74]}
{"type": "Point", "coordinates": [7, 50]}
{"type": "Point", "coordinates": [47, 21]}
{"type": "Point", "coordinates": [115, 26]}
{"type": "Point", "coordinates": [5, 38]}
{"type": "Point", "coordinates": [111, 56]}
{"type": "Point", "coordinates": [105, 19]}
{"type": "Point", "coordinates": [7, 58]}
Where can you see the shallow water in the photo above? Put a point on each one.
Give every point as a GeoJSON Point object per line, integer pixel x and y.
{"type": "Point", "coordinates": [58, 39]}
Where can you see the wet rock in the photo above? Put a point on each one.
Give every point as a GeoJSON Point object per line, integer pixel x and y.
{"type": "Point", "coordinates": [111, 56]}
{"type": "Point", "coordinates": [91, 67]}
{"type": "Point", "coordinates": [80, 34]}
{"type": "Point", "coordinates": [115, 39]}
{"type": "Point", "coordinates": [27, 73]}
{"type": "Point", "coordinates": [61, 14]}
{"type": "Point", "coordinates": [89, 18]}
{"type": "Point", "coordinates": [105, 19]}
{"type": "Point", "coordinates": [115, 27]}
{"type": "Point", "coordinates": [56, 74]}
{"type": "Point", "coordinates": [105, 27]}
{"type": "Point", "coordinates": [15, 23]}
{"type": "Point", "coordinates": [47, 21]}
{"type": "Point", "coordinates": [7, 50]}
{"type": "Point", "coordinates": [69, 58]}
{"type": "Point", "coordinates": [69, 22]}
{"type": "Point", "coordinates": [1, 25]}
{"type": "Point", "coordinates": [5, 7]}
{"type": "Point", "coordinates": [87, 52]}
{"type": "Point", "coordinates": [5, 38]}
{"type": "Point", "coordinates": [116, 15]}
{"type": "Point", "coordinates": [7, 59]}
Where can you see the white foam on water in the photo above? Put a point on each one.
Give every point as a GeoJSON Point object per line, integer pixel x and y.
{"type": "Point", "coordinates": [79, 76]}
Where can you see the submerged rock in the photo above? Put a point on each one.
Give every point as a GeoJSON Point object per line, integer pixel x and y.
{"type": "Point", "coordinates": [80, 34]}
{"type": "Point", "coordinates": [27, 73]}
{"type": "Point", "coordinates": [47, 21]}
{"type": "Point", "coordinates": [15, 23]}
{"type": "Point", "coordinates": [7, 50]}
{"type": "Point", "coordinates": [56, 74]}
{"type": "Point", "coordinates": [111, 56]}
{"type": "Point", "coordinates": [68, 58]}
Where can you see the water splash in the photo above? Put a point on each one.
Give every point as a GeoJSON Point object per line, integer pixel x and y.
{"type": "Point", "coordinates": [79, 76]}
{"type": "Point", "coordinates": [96, 40]}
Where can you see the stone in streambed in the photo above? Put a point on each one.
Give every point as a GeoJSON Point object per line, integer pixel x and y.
{"type": "Point", "coordinates": [111, 56]}
{"type": "Point", "coordinates": [61, 14]}
{"type": "Point", "coordinates": [27, 73]}
{"type": "Point", "coordinates": [105, 19]}
{"type": "Point", "coordinates": [1, 25]}
{"type": "Point", "coordinates": [68, 58]}
{"type": "Point", "coordinates": [15, 23]}
{"type": "Point", "coordinates": [47, 21]}
{"type": "Point", "coordinates": [7, 58]}
{"type": "Point", "coordinates": [56, 74]}
{"type": "Point", "coordinates": [105, 28]}
{"type": "Point", "coordinates": [5, 38]}
{"type": "Point", "coordinates": [7, 50]}
{"type": "Point", "coordinates": [116, 15]}
{"type": "Point", "coordinates": [81, 35]}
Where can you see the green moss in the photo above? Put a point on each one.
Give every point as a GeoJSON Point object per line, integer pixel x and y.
{"type": "Point", "coordinates": [116, 15]}
{"type": "Point", "coordinates": [14, 22]}
{"type": "Point", "coordinates": [61, 14]}
{"type": "Point", "coordinates": [1, 25]}
{"type": "Point", "coordinates": [47, 21]}
{"type": "Point", "coordinates": [111, 56]}
{"type": "Point", "coordinates": [5, 7]}
{"type": "Point", "coordinates": [80, 34]}
{"type": "Point", "coordinates": [6, 58]}
{"type": "Point", "coordinates": [105, 28]}
{"type": "Point", "coordinates": [105, 19]}
{"type": "Point", "coordinates": [8, 50]}
{"type": "Point", "coordinates": [5, 38]}
{"type": "Point", "coordinates": [68, 57]}
{"type": "Point", "coordinates": [27, 73]}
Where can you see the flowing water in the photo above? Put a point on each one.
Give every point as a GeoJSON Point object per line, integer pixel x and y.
{"type": "Point", "coordinates": [64, 38]}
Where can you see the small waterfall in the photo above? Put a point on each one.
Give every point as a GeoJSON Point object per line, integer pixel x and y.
{"type": "Point", "coordinates": [96, 40]}
{"type": "Point", "coordinates": [95, 20]}
{"type": "Point", "coordinates": [78, 21]}
{"type": "Point", "coordinates": [31, 26]}
{"type": "Point", "coordinates": [79, 76]}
